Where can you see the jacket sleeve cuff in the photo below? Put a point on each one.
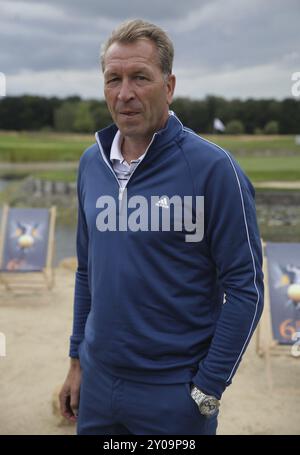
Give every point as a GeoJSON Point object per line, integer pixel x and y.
{"type": "Point", "coordinates": [208, 385]}
{"type": "Point", "coordinates": [74, 346]}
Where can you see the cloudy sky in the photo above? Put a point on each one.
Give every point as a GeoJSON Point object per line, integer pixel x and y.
{"type": "Point", "coordinates": [231, 48]}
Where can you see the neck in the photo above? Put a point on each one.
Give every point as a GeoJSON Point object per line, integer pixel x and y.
{"type": "Point", "coordinates": [132, 149]}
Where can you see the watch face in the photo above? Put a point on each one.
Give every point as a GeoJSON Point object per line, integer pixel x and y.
{"type": "Point", "coordinates": [209, 406]}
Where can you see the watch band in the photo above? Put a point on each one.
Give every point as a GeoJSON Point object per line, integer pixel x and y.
{"type": "Point", "coordinates": [208, 405]}
{"type": "Point", "coordinates": [197, 394]}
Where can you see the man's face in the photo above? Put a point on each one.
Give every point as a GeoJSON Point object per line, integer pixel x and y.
{"type": "Point", "coordinates": [136, 92]}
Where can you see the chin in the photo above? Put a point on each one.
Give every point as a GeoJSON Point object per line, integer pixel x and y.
{"type": "Point", "coordinates": [130, 131]}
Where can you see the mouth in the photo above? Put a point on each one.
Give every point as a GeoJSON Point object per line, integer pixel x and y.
{"type": "Point", "coordinates": [129, 113]}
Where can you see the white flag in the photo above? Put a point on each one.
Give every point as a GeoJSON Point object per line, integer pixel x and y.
{"type": "Point", "coordinates": [218, 125]}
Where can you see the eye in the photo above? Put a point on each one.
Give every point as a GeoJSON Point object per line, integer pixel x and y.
{"type": "Point", "coordinates": [112, 80]}
{"type": "Point", "coordinates": [140, 77]}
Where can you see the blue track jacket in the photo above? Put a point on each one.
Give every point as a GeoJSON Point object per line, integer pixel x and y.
{"type": "Point", "coordinates": [150, 306]}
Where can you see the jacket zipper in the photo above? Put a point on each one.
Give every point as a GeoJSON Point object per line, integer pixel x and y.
{"type": "Point", "coordinates": [121, 190]}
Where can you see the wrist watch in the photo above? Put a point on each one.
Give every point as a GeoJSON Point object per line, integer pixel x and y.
{"type": "Point", "coordinates": [207, 404]}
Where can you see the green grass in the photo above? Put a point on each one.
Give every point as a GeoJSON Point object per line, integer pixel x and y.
{"type": "Point", "coordinates": [40, 146]}
{"type": "Point", "coordinates": [53, 175]}
{"type": "Point", "coordinates": [256, 143]}
{"type": "Point", "coordinates": [283, 164]}
{"type": "Point", "coordinates": [28, 147]}
{"type": "Point", "coordinates": [270, 168]}
{"type": "Point", "coordinates": [56, 176]}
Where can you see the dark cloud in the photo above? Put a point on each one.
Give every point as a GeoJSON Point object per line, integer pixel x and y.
{"type": "Point", "coordinates": [118, 9]}
{"type": "Point", "coordinates": [210, 36]}
{"type": "Point", "coordinates": [257, 35]}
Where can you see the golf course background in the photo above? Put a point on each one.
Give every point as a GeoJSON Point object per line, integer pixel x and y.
{"type": "Point", "coordinates": [263, 158]}
{"type": "Point", "coordinates": [272, 162]}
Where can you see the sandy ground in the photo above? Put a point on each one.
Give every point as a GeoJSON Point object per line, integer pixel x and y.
{"type": "Point", "coordinates": [37, 328]}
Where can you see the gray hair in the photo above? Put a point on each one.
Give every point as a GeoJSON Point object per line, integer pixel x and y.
{"type": "Point", "coordinates": [133, 30]}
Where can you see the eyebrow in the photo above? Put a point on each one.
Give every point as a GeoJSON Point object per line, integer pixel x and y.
{"type": "Point", "coordinates": [114, 72]}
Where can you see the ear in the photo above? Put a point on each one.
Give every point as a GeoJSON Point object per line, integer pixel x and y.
{"type": "Point", "coordinates": [170, 87]}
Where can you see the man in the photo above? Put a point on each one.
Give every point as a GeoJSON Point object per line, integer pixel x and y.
{"type": "Point", "coordinates": [169, 285]}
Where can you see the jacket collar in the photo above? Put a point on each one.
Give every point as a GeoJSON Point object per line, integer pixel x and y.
{"type": "Point", "coordinates": [160, 139]}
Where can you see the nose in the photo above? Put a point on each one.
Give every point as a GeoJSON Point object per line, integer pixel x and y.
{"type": "Point", "coordinates": [126, 93]}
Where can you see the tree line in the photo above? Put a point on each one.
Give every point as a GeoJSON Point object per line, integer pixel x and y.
{"type": "Point", "coordinates": [72, 114]}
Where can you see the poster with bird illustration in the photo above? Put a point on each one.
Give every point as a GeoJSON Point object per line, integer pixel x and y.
{"type": "Point", "coordinates": [26, 239]}
{"type": "Point", "coordinates": [284, 288]}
